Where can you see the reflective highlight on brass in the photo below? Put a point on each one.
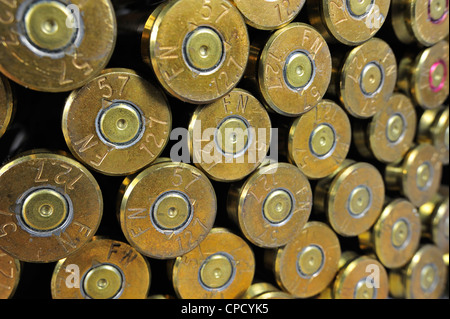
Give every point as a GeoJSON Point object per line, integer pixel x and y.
{"type": "Point", "coordinates": [395, 128]}
{"type": "Point", "coordinates": [124, 129]}
{"type": "Point", "coordinates": [269, 15]}
{"type": "Point", "coordinates": [277, 206]}
{"type": "Point", "coordinates": [359, 201]}
{"type": "Point", "coordinates": [417, 176]}
{"type": "Point", "coordinates": [433, 129]}
{"type": "Point", "coordinates": [367, 78]}
{"type": "Point", "coordinates": [319, 140]}
{"type": "Point", "coordinates": [102, 282]}
{"type": "Point", "coordinates": [298, 70]}
{"type": "Point", "coordinates": [350, 22]}
{"type": "Point", "coordinates": [293, 69]}
{"type": "Point", "coordinates": [354, 280]}
{"type": "Point", "coordinates": [372, 78]}
{"type": "Point", "coordinates": [228, 139]}
{"type": "Point", "coordinates": [216, 271]}
{"type": "Point", "coordinates": [352, 198]}
{"type": "Point", "coordinates": [262, 290]}
{"type": "Point", "coordinates": [203, 49]}
{"type": "Point", "coordinates": [271, 205]}
{"type": "Point", "coordinates": [45, 25]}
{"type": "Point", "coordinates": [310, 260]}
{"type": "Point", "coordinates": [171, 211]}
{"type": "Point", "coordinates": [229, 136]}
{"type": "Point", "coordinates": [108, 269]}
{"type": "Point", "coordinates": [400, 233]}
{"type": "Point", "coordinates": [198, 51]}
{"type": "Point", "coordinates": [390, 133]}
{"type": "Point", "coordinates": [423, 278]}
{"type": "Point", "coordinates": [395, 236]}
{"type": "Point", "coordinates": [44, 210]}
{"type": "Point", "coordinates": [167, 209]}
{"type": "Point", "coordinates": [308, 263]}
{"type": "Point", "coordinates": [359, 8]}
{"type": "Point", "coordinates": [434, 215]}
{"type": "Point", "coordinates": [54, 210]}
{"type": "Point", "coordinates": [120, 123]}
{"type": "Point", "coordinates": [49, 46]}
{"type": "Point", "coordinates": [223, 268]}
{"type": "Point", "coordinates": [9, 282]}
{"type": "Point", "coordinates": [422, 21]}
{"type": "Point", "coordinates": [323, 140]}
{"type": "Point", "coordinates": [424, 176]}
{"type": "Point", "coordinates": [424, 77]}
{"type": "Point", "coordinates": [7, 104]}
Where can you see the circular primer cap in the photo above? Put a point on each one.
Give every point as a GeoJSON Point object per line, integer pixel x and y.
{"type": "Point", "coordinates": [356, 199]}
{"type": "Point", "coordinates": [392, 130]}
{"type": "Point", "coordinates": [397, 233]}
{"type": "Point", "coordinates": [294, 69]}
{"type": "Point", "coordinates": [426, 274]}
{"type": "Point", "coordinates": [352, 22]}
{"type": "Point", "coordinates": [221, 267]}
{"type": "Point", "coordinates": [368, 78]}
{"type": "Point", "coordinates": [319, 140]}
{"type": "Point", "coordinates": [422, 172]}
{"type": "Point", "coordinates": [198, 51]}
{"type": "Point", "coordinates": [54, 46]}
{"type": "Point", "coordinates": [274, 203]}
{"type": "Point", "coordinates": [308, 264]}
{"type": "Point", "coordinates": [361, 278]}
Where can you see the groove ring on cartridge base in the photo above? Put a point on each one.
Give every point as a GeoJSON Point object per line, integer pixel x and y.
{"type": "Point", "coordinates": [44, 211]}
{"type": "Point", "coordinates": [104, 281]}
{"type": "Point", "coordinates": [45, 28]}
{"type": "Point", "coordinates": [172, 211]}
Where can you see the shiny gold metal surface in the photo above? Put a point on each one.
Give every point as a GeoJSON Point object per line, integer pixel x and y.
{"type": "Point", "coordinates": [230, 137]}
{"type": "Point", "coordinates": [120, 124]}
{"type": "Point", "coordinates": [293, 69]}
{"type": "Point", "coordinates": [105, 269]}
{"type": "Point", "coordinates": [367, 78]}
{"type": "Point", "coordinates": [424, 277]}
{"type": "Point", "coordinates": [434, 216]}
{"type": "Point", "coordinates": [308, 263]}
{"type": "Point", "coordinates": [220, 267]}
{"type": "Point", "coordinates": [319, 140]}
{"type": "Point", "coordinates": [417, 176]}
{"type": "Point", "coordinates": [6, 104]}
{"type": "Point", "coordinates": [10, 271]}
{"type": "Point", "coordinates": [351, 22]}
{"type": "Point", "coordinates": [390, 133]}
{"type": "Point", "coordinates": [204, 49]}
{"type": "Point", "coordinates": [102, 282]}
{"type": "Point", "coordinates": [126, 127]}
{"type": "Point", "coordinates": [422, 21]}
{"type": "Point", "coordinates": [197, 49]}
{"type": "Point", "coordinates": [271, 205]}
{"type": "Point", "coordinates": [263, 290]}
{"type": "Point", "coordinates": [52, 46]}
{"type": "Point", "coordinates": [268, 15]}
{"type": "Point", "coordinates": [50, 207]}
{"type": "Point", "coordinates": [45, 25]}
{"type": "Point", "coordinates": [352, 198]}
{"type": "Point", "coordinates": [424, 77]}
{"type": "Point", "coordinates": [44, 210]}
{"type": "Point", "coordinates": [167, 209]}
{"type": "Point", "coordinates": [433, 129]}
{"type": "Point", "coordinates": [395, 236]}
{"type": "Point", "coordinates": [216, 271]}
{"type": "Point", "coordinates": [360, 277]}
